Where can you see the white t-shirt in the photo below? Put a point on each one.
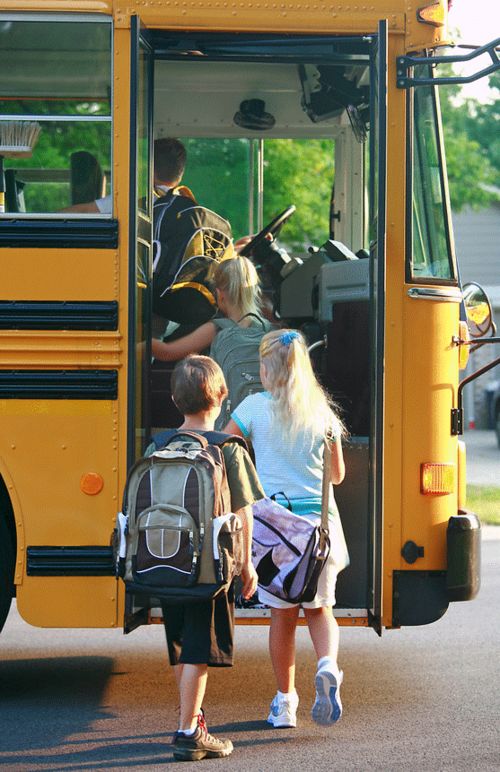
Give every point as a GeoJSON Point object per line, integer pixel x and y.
{"type": "Point", "coordinates": [293, 466]}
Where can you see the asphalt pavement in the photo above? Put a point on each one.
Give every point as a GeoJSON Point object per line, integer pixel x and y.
{"type": "Point", "coordinates": [422, 699]}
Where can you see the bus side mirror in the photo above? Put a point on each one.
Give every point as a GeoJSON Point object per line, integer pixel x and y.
{"type": "Point", "coordinates": [478, 309]}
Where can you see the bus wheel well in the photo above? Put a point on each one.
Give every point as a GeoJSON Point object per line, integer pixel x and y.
{"type": "Point", "coordinates": [7, 552]}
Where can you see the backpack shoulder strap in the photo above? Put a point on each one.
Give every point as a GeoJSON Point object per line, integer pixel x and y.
{"type": "Point", "coordinates": [162, 439]}
{"type": "Point", "coordinates": [265, 324]}
{"type": "Point", "coordinates": [221, 438]}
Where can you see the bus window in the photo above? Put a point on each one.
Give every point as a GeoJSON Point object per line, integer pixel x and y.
{"type": "Point", "coordinates": [430, 245]}
{"type": "Point", "coordinates": [62, 81]}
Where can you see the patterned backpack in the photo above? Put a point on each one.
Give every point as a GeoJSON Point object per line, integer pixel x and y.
{"type": "Point", "coordinates": [178, 540]}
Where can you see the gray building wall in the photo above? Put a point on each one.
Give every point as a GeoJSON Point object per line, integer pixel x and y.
{"type": "Point", "coordinates": [477, 245]}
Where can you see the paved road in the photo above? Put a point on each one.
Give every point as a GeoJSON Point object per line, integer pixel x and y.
{"type": "Point", "coordinates": [483, 457]}
{"type": "Point", "coordinates": [423, 699]}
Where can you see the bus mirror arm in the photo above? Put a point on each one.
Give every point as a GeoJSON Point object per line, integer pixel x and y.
{"type": "Point", "coordinates": [457, 413]}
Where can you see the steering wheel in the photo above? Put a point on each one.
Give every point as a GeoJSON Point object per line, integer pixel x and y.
{"type": "Point", "coordinates": [272, 229]}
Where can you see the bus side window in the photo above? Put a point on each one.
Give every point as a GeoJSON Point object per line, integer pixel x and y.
{"type": "Point", "coordinates": [55, 112]}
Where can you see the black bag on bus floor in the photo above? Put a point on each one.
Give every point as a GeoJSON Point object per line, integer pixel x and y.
{"type": "Point", "coordinates": [178, 539]}
{"type": "Point", "coordinates": [189, 242]}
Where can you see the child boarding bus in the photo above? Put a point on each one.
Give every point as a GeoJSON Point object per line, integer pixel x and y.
{"type": "Point", "coordinates": [253, 90]}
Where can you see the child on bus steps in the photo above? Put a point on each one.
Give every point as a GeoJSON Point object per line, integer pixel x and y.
{"type": "Point", "coordinates": [239, 300]}
{"type": "Point", "coordinates": [287, 425]}
{"type": "Point", "coordinates": [200, 634]}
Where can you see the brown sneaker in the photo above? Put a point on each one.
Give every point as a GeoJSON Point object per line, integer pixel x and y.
{"type": "Point", "coordinates": [200, 745]}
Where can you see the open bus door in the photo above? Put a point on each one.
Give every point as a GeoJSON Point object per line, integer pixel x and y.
{"type": "Point", "coordinates": [140, 239]}
{"type": "Point", "coordinates": [378, 159]}
{"type": "Point", "coordinates": [140, 272]}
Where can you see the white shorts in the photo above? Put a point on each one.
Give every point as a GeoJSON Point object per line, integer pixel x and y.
{"type": "Point", "coordinates": [325, 596]}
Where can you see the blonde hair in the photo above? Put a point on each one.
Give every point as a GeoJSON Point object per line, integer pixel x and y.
{"type": "Point", "coordinates": [299, 402]}
{"type": "Point", "coordinates": [238, 277]}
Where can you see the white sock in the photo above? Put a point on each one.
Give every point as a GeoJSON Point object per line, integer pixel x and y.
{"type": "Point", "coordinates": [187, 731]}
{"type": "Point", "coordinates": [287, 695]}
{"type": "Point", "coordinates": [328, 663]}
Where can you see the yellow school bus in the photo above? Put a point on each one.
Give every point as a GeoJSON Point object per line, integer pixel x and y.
{"type": "Point", "coordinates": [85, 87]}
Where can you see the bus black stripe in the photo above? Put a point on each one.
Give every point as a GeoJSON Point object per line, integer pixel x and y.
{"type": "Point", "coordinates": [87, 233]}
{"type": "Point", "coordinates": [58, 315]}
{"type": "Point", "coordinates": [58, 384]}
{"type": "Point", "coordinates": [70, 561]}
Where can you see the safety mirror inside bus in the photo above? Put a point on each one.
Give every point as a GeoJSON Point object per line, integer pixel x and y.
{"type": "Point", "coordinates": [478, 308]}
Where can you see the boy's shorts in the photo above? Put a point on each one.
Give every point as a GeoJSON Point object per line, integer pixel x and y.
{"type": "Point", "coordinates": [201, 633]}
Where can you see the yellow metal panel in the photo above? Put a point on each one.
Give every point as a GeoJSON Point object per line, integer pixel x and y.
{"type": "Point", "coordinates": [393, 382]}
{"type": "Point", "coordinates": [62, 6]}
{"type": "Point", "coordinates": [53, 274]}
{"type": "Point", "coordinates": [212, 15]}
{"type": "Point", "coordinates": [430, 376]}
{"type": "Point", "coordinates": [59, 349]}
{"type": "Point", "coordinates": [45, 461]}
{"type": "Point", "coordinates": [69, 601]}
{"type": "Point", "coordinates": [121, 144]}
{"type": "Point", "coordinates": [419, 35]}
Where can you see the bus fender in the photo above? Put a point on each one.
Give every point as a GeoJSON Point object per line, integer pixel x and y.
{"type": "Point", "coordinates": [463, 538]}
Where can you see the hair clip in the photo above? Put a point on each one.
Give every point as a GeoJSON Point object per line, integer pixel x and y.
{"type": "Point", "coordinates": [287, 337]}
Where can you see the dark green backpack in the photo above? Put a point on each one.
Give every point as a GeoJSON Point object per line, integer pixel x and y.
{"type": "Point", "coordinates": [236, 350]}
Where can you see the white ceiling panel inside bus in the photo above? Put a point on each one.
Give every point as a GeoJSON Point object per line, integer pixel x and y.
{"type": "Point", "coordinates": [59, 60]}
{"type": "Point", "coordinates": [242, 99]}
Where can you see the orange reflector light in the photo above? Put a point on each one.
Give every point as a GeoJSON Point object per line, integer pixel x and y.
{"type": "Point", "coordinates": [437, 478]}
{"type": "Point", "coordinates": [464, 349]}
{"type": "Point", "coordinates": [432, 14]}
{"type": "Point", "coordinates": [91, 483]}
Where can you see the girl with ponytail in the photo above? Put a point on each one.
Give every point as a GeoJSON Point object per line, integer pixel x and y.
{"type": "Point", "coordinates": [238, 294]}
{"type": "Point", "coordinates": [288, 425]}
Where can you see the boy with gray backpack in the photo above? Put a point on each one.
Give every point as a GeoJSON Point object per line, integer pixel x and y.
{"type": "Point", "coordinates": [183, 547]}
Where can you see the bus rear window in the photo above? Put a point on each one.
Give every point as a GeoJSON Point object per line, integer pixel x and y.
{"type": "Point", "coordinates": [431, 256]}
{"type": "Point", "coordinates": [61, 84]}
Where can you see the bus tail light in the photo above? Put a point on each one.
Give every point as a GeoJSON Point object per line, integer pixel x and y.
{"type": "Point", "coordinates": [432, 14]}
{"type": "Point", "coordinates": [437, 478]}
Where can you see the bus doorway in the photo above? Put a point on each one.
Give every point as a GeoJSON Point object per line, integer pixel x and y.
{"type": "Point", "coordinates": [299, 124]}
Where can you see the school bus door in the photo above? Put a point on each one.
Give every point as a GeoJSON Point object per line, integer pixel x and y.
{"type": "Point", "coordinates": [378, 156]}
{"type": "Point", "coordinates": [140, 240]}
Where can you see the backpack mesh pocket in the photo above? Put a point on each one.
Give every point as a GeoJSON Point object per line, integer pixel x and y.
{"type": "Point", "coordinates": [167, 548]}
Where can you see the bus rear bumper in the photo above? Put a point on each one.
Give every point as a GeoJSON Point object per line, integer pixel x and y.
{"type": "Point", "coordinates": [463, 577]}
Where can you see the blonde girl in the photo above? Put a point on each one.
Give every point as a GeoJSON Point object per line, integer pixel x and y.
{"type": "Point", "coordinates": [239, 300]}
{"type": "Point", "coordinates": [287, 425]}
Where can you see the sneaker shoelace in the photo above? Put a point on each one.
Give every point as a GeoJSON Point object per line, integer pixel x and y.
{"type": "Point", "coordinates": [203, 726]}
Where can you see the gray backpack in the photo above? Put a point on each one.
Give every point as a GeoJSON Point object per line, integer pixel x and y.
{"type": "Point", "coordinates": [178, 540]}
{"type": "Point", "coordinates": [236, 350]}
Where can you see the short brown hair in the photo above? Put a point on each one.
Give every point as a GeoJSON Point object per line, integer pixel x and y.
{"type": "Point", "coordinates": [169, 160]}
{"type": "Point", "coordinates": [197, 384]}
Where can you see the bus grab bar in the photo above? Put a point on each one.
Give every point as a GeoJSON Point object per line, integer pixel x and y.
{"type": "Point", "coordinates": [433, 293]}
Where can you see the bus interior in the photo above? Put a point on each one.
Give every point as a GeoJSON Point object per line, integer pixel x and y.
{"type": "Point", "coordinates": [236, 119]}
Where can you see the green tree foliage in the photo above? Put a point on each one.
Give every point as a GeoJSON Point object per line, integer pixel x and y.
{"type": "Point", "coordinates": [471, 133]}
{"type": "Point", "coordinates": [299, 172]}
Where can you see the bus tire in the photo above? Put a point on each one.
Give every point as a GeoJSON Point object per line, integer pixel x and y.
{"type": "Point", "coordinates": [7, 566]}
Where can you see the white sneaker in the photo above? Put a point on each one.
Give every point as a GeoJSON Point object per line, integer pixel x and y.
{"type": "Point", "coordinates": [283, 711]}
{"type": "Point", "coordinates": [327, 708]}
